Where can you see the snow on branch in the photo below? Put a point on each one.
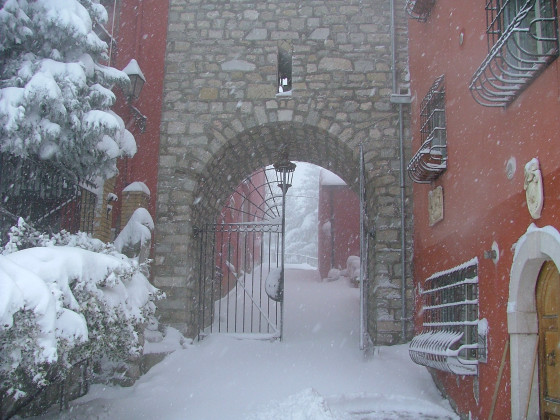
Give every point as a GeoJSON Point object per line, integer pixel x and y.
{"type": "Point", "coordinates": [55, 95]}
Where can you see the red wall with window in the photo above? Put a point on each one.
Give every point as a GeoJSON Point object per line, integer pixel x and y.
{"type": "Point", "coordinates": [481, 204]}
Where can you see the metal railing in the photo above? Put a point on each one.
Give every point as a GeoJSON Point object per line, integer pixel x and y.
{"type": "Point", "coordinates": [301, 259]}
{"type": "Point", "coordinates": [45, 195]}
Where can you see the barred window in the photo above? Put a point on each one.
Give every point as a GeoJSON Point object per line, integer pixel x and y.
{"type": "Point", "coordinates": [449, 338]}
{"type": "Point", "coordinates": [431, 159]}
{"type": "Point", "coordinates": [419, 9]}
{"type": "Point", "coordinates": [522, 41]}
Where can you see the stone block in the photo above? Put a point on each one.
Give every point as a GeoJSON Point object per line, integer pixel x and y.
{"type": "Point", "coordinates": [261, 91]}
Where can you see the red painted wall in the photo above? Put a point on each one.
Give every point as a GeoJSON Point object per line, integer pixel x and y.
{"type": "Point", "coordinates": [237, 251]}
{"type": "Point", "coordinates": [339, 206]}
{"type": "Point", "coordinates": [141, 34]}
{"type": "Point", "coordinates": [481, 205]}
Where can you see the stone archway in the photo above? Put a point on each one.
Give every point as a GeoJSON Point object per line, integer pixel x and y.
{"type": "Point", "coordinates": [240, 156]}
{"type": "Point", "coordinates": [247, 151]}
{"type": "Point", "coordinates": [532, 250]}
{"type": "Point", "coordinates": [260, 146]}
{"type": "Point", "coordinates": [223, 117]}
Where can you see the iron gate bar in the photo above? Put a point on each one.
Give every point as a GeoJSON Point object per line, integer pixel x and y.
{"type": "Point", "coordinates": [242, 283]}
{"type": "Point", "coordinates": [236, 256]}
{"type": "Point", "coordinates": [270, 210]}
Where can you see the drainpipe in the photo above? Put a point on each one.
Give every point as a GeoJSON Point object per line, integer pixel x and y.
{"type": "Point", "coordinates": [400, 100]}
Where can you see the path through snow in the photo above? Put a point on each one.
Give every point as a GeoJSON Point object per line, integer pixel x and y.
{"type": "Point", "coordinates": [316, 373]}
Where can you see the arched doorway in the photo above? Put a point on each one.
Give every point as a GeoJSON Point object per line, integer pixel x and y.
{"type": "Point", "coordinates": [241, 253]}
{"type": "Point", "coordinates": [529, 281]}
{"type": "Point", "coordinates": [194, 191]}
{"type": "Point", "coordinates": [254, 148]}
{"type": "Point", "coordinates": [548, 308]}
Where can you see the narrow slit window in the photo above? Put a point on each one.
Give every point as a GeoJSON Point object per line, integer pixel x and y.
{"type": "Point", "coordinates": [284, 68]}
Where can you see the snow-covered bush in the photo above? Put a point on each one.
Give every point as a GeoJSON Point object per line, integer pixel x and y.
{"type": "Point", "coordinates": [55, 95]}
{"type": "Point", "coordinates": [66, 298]}
{"type": "Point", "coordinates": [135, 238]}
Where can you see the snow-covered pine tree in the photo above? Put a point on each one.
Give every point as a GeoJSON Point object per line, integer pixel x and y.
{"type": "Point", "coordinates": [55, 93]}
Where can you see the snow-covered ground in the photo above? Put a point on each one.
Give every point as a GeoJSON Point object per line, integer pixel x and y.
{"type": "Point", "coordinates": [317, 372]}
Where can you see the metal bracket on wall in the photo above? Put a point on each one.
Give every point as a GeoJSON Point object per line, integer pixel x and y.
{"type": "Point", "coordinates": [397, 98]}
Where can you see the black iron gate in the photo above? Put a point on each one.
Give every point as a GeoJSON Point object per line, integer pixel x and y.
{"type": "Point", "coordinates": [240, 262]}
{"type": "Point", "coordinates": [45, 195]}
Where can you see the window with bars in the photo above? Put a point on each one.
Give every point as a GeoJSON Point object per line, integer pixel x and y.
{"type": "Point", "coordinates": [431, 159]}
{"type": "Point", "coordinates": [449, 339]}
{"type": "Point", "coordinates": [419, 9]}
{"type": "Point", "coordinates": [522, 41]}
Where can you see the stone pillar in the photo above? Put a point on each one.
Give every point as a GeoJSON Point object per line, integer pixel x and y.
{"type": "Point", "coordinates": [104, 213]}
{"type": "Point", "coordinates": [134, 196]}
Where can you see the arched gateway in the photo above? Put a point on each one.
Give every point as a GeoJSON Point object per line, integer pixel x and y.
{"type": "Point", "coordinates": [247, 79]}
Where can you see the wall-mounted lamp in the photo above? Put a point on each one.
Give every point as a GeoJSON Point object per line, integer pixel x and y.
{"type": "Point", "coordinates": [493, 253]}
{"type": "Point", "coordinates": [137, 81]}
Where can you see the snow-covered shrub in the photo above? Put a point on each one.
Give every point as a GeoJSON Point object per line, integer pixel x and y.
{"type": "Point", "coordinates": [135, 238]}
{"type": "Point", "coordinates": [352, 271]}
{"type": "Point", "coordinates": [66, 298]}
{"type": "Point", "coordinates": [55, 95]}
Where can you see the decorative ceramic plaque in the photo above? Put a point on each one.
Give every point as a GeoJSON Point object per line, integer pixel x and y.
{"type": "Point", "coordinates": [534, 188]}
{"type": "Point", "coordinates": [435, 205]}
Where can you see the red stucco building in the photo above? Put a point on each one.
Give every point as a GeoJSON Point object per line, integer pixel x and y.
{"type": "Point", "coordinates": [486, 165]}
{"type": "Point", "coordinates": [339, 223]}
{"type": "Point", "coordinates": [136, 30]}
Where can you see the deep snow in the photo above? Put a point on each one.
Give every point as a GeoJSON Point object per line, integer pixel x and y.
{"type": "Point", "coordinates": [317, 372]}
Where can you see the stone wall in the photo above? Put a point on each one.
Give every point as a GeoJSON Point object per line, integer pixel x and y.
{"type": "Point", "coordinates": [222, 119]}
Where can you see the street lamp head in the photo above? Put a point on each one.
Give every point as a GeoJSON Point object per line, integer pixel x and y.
{"type": "Point", "coordinates": [284, 173]}
{"type": "Point", "coordinates": [137, 80]}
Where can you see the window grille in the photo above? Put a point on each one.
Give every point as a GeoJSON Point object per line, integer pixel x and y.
{"type": "Point", "coordinates": [431, 159]}
{"type": "Point", "coordinates": [45, 195]}
{"type": "Point", "coordinates": [522, 41]}
{"type": "Point", "coordinates": [419, 9]}
{"type": "Point", "coordinates": [449, 339]}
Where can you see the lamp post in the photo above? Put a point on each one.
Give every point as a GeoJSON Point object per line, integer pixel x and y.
{"type": "Point", "coordinates": [284, 176]}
